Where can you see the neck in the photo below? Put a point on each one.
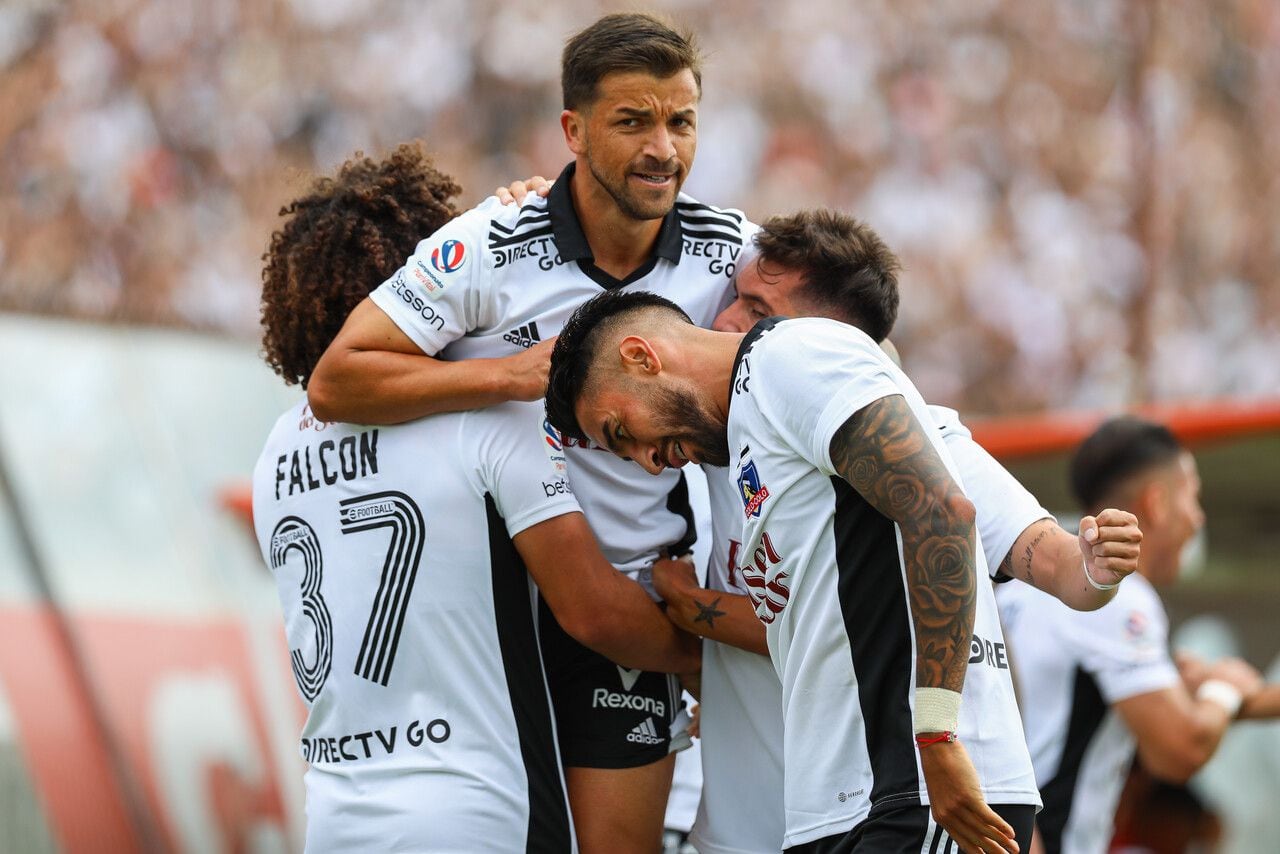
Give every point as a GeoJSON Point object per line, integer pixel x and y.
{"type": "Point", "coordinates": [706, 359]}
{"type": "Point", "coordinates": [619, 243]}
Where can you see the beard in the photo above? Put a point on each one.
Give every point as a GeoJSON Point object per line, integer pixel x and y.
{"type": "Point", "coordinates": [687, 422]}
{"type": "Point", "coordinates": [629, 201]}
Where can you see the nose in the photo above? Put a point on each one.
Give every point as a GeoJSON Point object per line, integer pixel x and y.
{"type": "Point", "coordinates": [659, 145]}
{"type": "Point", "coordinates": [731, 319]}
{"type": "Point", "coordinates": [649, 459]}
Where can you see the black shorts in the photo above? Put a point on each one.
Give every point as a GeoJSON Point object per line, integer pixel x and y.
{"type": "Point", "coordinates": [607, 716]}
{"type": "Point", "coordinates": [912, 830]}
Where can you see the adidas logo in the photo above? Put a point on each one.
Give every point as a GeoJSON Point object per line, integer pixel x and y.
{"type": "Point", "coordinates": [644, 733]}
{"type": "Point", "coordinates": [526, 336]}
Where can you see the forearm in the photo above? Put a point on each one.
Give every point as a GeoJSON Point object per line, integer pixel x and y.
{"type": "Point", "coordinates": [627, 627]}
{"type": "Point", "coordinates": [1264, 704]}
{"type": "Point", "coordinates": [942, 591]}
{"type": "Point", "coordinates": [385, 387]}
{"type": "Point", "coordinates": [728, 618]}
{"type": "Point", "coordinates": [1048, 558]}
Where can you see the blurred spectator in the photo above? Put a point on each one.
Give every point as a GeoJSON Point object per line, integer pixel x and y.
{"type": "Point", "coordinates": [1085, 195]}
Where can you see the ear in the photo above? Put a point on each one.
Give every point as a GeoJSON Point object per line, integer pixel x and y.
{"type": "Point", "coordinates": [1153, 503]}
{"type": "Point", "coordinates": [573, 123]}
{"type": "Point", "coordinates": [639, 357]}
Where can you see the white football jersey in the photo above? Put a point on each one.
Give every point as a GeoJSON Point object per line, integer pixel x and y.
{"type": "Point", "coordinates": [410, 625]}
{"type": "Point", "coordinates": [501, 278]}
{"type": "Point", "coordinates": [741, 716]}
{"type": "Point", "coordinates": [1072, 667]}
{"type": "Point", "coordinates": [825, 571]}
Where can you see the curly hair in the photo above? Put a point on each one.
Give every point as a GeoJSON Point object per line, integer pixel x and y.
{"type": "Point", "coordinates": [342, 239]}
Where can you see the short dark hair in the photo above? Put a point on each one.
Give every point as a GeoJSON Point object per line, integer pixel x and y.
{"type": "Point", "coordinates": [576, 349]}
{"type": "Point", "coordinates": [847, 268]}
{"type": "Point", "coordinates": [624, 42]}
{"type": "Point", "coordinates": [341, 240]}
{"type": "Point", "coordinates": [1117, 451]}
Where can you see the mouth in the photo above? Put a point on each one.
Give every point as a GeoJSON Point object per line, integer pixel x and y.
{"type": "Point", "coordinates": [676, 456]}
{"type": "Point", "coordinates": [654, 179]}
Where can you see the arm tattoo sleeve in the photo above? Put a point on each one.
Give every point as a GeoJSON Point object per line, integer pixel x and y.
{"type": "Point", "coordinates": [884, 453]}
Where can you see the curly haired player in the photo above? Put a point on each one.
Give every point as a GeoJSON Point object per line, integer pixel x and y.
{"type": "Point", "coordinates": [400, 556]}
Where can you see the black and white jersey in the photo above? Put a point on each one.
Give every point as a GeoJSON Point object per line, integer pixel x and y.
{"type": "Point", "coordinates": [501, 278]}
{"type": "Point", "coordinates": [1072, 667]}
{"type": "Point", "coordinates": [410, 626]}
{"type": "Point", "coordinates": [741, 714]}
{"type": "Point", "coordinates": [825, 571]}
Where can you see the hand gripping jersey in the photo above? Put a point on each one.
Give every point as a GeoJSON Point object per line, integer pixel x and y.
{"type": "Point", "coordinates": [825, 571]}
{"type": "Point", "coordinates": [410, 626]}
{"type": "Point", "coordinates": [1072, 666]}
{"type": "Point", "coordinates": [741, 718]}
{"type": "Point", "coordinates": [501, 278]}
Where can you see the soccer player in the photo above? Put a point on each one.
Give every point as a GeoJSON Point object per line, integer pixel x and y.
{"type": "Point", "coordinates": [400, 556]}
{"type": "Point", "coordinates": [857, 550]}
{"type": "Point", "coordinates": [465, 322]}
{"type": "Point", "coordinates": [1098, 686]}
{"type": "Point", "coordinates": [821, 263]}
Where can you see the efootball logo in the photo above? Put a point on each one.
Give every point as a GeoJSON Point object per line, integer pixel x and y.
{"type": "Point", "coordinates": [449, 256]}
{"type": "Point", "coordinates": [753, 494]}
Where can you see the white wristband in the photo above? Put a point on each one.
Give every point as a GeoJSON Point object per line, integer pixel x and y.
{"type": "Point", "coordinates": [937, 710]}
{"type": "Point", "coordinates": [1222, 693]}
{"type": "Point", "coordinates": [1096, 585]}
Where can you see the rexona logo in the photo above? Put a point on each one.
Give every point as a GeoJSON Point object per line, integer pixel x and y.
{"type": "Point", "coordinates": [603, 698]}
{"type": "Point", "coordinates": [526, 336]}
{"type": "Point", "coordinates": [644, 733]}
{"type": "Point", "coordinates": [769, 596]}
{"type": "Point", "coordinates": [449, 256]}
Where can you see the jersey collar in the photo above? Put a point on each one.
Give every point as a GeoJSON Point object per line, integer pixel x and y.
{"type": "Point", "coordinates": [748, 341]}
{"type": "Point", "coordinates": [572, 244]}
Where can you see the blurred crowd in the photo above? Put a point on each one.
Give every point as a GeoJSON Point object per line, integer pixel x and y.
{"type": "Point", "coordinates": [1086, 196]}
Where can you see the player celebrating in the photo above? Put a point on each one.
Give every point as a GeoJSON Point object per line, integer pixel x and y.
{"type": "Point", "coordinates": [858, 552]}
{"type": "Point", "coordinates": [1102, 684]}
{"type": "Point", "coordinates": [822, 263]}
{"type": "Point", "coordinates": [478, 296]}
{"type": "Point", "coordinates": [400, 558]}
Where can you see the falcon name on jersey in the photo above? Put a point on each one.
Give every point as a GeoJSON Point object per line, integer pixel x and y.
{"type": "Point", "coordinates": [741, 712]}
{"type": "Point", "coordinates": [825, 571]}
{"type": "Point", "coordinates": [515, 275]}
{"type": "Point", "coordinates": [411, 630]}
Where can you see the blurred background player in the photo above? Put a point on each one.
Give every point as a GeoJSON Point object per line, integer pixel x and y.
{"type": "Point", "coordinates": [1098, 686]}
{"type": "Point", "coordinates": [400, 555]}
{"type": "Point", "coordinates": [466, 322]}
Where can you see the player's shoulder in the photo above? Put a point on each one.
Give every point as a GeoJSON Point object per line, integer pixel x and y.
{"type": "Point", "coordinates": [701, 222]}
{"type": "Point", "coordinates": [798, 336]}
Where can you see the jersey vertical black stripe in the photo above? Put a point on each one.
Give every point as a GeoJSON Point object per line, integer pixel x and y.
{"type": "Point", "coordinates": [877, 622]}
{"type": "Point", "coordinates": [1088, 710]}
{"type": "Point", "coordinates": [678, 503]}
{"type": "Point", "coordinates": [549, 829]}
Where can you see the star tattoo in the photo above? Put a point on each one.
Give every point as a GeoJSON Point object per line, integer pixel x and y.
{"type": "Point", "coordinates": [708, 613]}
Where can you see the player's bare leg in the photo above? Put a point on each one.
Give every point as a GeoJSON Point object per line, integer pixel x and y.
{"type": "Point", "coordinates": [620, 810]}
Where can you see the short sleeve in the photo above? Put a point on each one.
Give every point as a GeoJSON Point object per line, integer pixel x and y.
{"type": "Point", "coordinates": [809, 376]}
{"type": "Point", "coordinates": [1005, 508]}
{"type": "Point", "coordinates": [521, 463]}
{"type": "Point", "coordinates": [439, 293]}
{"type": "Point", "coordinates": [1125, 644]}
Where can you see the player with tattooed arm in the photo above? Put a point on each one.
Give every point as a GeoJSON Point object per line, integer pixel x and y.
{"type": "Point", "coordinates": [857, 549]}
